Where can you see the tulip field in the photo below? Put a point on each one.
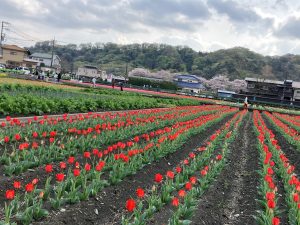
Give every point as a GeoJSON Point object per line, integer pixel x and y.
{"type": "Point", "coordinates": [206, 164]}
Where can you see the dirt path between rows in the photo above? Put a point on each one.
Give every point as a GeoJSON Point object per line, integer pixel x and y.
{"type": "Point", "coordinates": [231, 198]}
{"type": "Point", "coordinates": [108, 206]}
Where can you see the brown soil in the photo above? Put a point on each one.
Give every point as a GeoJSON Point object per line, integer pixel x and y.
{"type": "Point", "coordinates": [231, 199]}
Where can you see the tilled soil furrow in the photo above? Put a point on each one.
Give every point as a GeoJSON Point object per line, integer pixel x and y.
{"type": "Point", "coordinates": [108, 206]}
{"type": "Point", "coordinates": [231, 199]}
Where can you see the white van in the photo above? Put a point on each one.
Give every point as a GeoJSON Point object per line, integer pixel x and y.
{"type": "Point", "coordinates": [24, 70]}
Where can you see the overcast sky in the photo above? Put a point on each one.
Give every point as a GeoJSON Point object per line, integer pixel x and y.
{"type": "Point", "coordinates": [270, 27]}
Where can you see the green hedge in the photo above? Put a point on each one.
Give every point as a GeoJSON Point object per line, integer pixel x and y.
{"type": "Point", "coordinates": [155, 84]}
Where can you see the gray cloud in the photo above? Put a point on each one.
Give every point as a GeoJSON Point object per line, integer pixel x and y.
{"type": "Point", "coordinates": [234, 11]}
{"type": "Point", "coordinates": [290, 29]}
{"type": "Point", "coordinates": [165, 13]}
{"type": "Point", "coordinates": [155, 20]}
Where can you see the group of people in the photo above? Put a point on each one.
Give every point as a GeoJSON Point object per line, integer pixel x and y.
{"type": "Point", "coordinates": [41, 75]}
{"type": "Point", "coordinates": [121, 84]}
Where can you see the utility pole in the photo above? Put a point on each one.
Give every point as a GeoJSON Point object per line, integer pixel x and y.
{"type": "Point", "coordinates": [3, 23]}
{"type": "Point", "coordinates": [52, 52]}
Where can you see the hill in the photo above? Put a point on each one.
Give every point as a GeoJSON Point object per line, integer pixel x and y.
{"type": "Point", "coordinates": [236, 63]}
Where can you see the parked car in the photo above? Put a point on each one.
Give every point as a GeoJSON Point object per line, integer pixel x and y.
{"type": "Point", "coordinates": [2, 66]}
{"type": "Point", "coordinates": [23, 70]}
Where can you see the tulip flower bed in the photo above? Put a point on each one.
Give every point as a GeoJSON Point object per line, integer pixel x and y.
{"type": "Point", "coordinates": [276, 166]}
{"type": "Point", "coordinates": [154, 166]}
{"type": "Point", "coordinates": [78, 177]}
{"type": "Point", "coordinates": [57, 144]}
{"type": "Point", "coordinates": [286, 129]}
{"type": "Point", "coordinates": [183, 185]}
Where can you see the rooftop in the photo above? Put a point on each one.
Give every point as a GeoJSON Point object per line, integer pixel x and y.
{"type": "Point", "coordinates": [263, 80]}
{"type": "Point", "coordinates": [90, 67]}
{"type": "Point", "coordinates": [226, 92]}
{"type": "Point", "coordinates": [187, 76]}
{"type": "Point", "coordinates": [296, 85]}
{"type": "Point", "coordinates": [41, 55]}
{"type": "Point", "coordinates": [14, 47]}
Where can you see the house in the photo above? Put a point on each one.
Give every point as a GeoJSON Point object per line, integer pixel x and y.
{"type": "Point", "coordinates": [296, 87]}
{"type": "Point", "coordinates": [282, 90]}
{"type": "Point", "coordinates": [110, 77]}
{"type": "Point", "coordinates": [44, 59]}
{"type": "Point", "coordinates": [225, 94]}
{"type": "Point", "coordinates": [88, 71]}
{"type": "Point", "coordinates": [15, 56]}
{"type": "Point", "coordinates": [189, 83]}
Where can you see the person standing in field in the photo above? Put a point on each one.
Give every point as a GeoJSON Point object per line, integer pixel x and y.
{"type": "Point", "coordinates": [58, 77]}
{"type": "Point", "coordinates": [94, 82]}
{"type": "Point", "coordinates": [246, 103]}
{"type": "Point", "coordinates": [113, 83]}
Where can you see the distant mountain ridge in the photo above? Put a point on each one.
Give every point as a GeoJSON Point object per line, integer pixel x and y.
{"type": "Point", "coordinates": [235, 63]}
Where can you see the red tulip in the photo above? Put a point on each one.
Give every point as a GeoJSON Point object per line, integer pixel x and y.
{"type": "Point", "coordinates": [192, 155]}
{"type": "Point", "coordinates": [60, 177]}
{"type": "Point", "coordinates": [295, 197]}
{"type": "Point", "coordinates": [76, 172]}
{"type": "Point", "coordinates": [158, 178]}
{"type": "Point", "coordinates": [275, 221]}
{"type": "Point", "coordinates": [17, 137]}
{"type": "Point", "coordinates": [271, 204]}
{"type": "Point", "coordinates": [87, 167]}
{"type": "Point", "coordinates": [35, 145]}
{"type": "Point", "coordinates": [87, 155]}
{"type": "Point", "coordinates": [35, 135]}
{"type": "Point", "coordinates": [10, 194]}
{"type": "Point", "coordinates": [62, 165]}
{"type": "Point", "coordinates": [181, 193]}
{"type": "Point", "coordinates": [17, 184]}
{"type": "Point", "coordinates": [270, 171]}
{"type": "Point", "coordinates": [29, 187]}
{"type": "Point", "coordinates": [170, 174]}
{"type": "Point", "coordinates": [270, 196]}
{"type": "Point", "coordinates": [71, 160]}
{"type": "Point", "coordinates": [193, 180]}
{"type": "Point", "coordinates": [272, 185]}
{"type": "Point", "coordinates": [203, 172]}
{"type": "Point", "coordinates": [175, 202]}
{"type": "Point", "coordinates": [6, 139]}
{"type": "Point", "coordinates": [178, 169]}
{"type": "Point", "coordinates": [218, 157]}
{"type": "Point", "coordinates": [188, 186]}
{"type": "Point", "coordinates": [140, 192]}
{"type": "Point", "coordinates": [34, 181]}
{"type": "Point", "coordinates": [130, 205]}
{"type": "Point", "coordinates": [49, 168]}
{"type": "Point", "coordinates": [186, 162]}
{"type": "Point", "coordinates": [52, 133]}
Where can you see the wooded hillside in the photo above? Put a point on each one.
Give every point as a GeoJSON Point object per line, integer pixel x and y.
{"type": "Point", "coordinates": [236, 63]}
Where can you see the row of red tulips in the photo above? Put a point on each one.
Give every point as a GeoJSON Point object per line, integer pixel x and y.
{"type": "Point", "coordinates": [289, 133]}
{"type": "Point", "coordinates": [183, 184]}
{"type": "Point", "coordinates": [290, 121]}
{"type": "Point", "coordinates": [269, 214]}
{"type": "Point", "coordinates": [83, 125]}
{"type": "Point", "coordinates": [29, 156]}
{"type": "Point", "coordinates": [284, 170]}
